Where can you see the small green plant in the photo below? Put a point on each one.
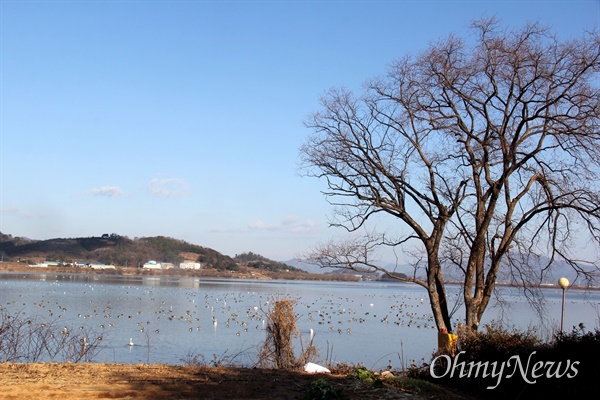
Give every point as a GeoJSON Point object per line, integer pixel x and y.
{"type": "Point", "coordinates": [320, 389]}
{"type": "Point", "coordinates": [362, 374]}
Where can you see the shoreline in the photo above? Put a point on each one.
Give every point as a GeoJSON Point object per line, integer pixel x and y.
{"type": "Point", "coordinates": [244, 273]}
{"type": "Point", "coordinates": [247, 273]}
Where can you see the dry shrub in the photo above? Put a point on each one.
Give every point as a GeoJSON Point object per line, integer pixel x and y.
{"type": "Point", "coordinates": [497, 343]}
{"type": "Point", "coordinates": [29, 339]}
{"type": "Point", "coordinates": [278, 349]}
{"type": "Point", "coordinates": [555, 378]}
{"type": "Point", "coordinates": [281, 327]}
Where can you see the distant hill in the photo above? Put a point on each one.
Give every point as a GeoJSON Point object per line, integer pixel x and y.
{"type": "Point", "coordinates": [120, 250]}
{"type": "Point", "coordinates": [537, 272]}
{"type": "Point", "coordinates": [310, 268]}
{"type": "Point", "coordinates": [112, 249]}
{"type": "Point", "coordinates": [315, 269]}
{"type": "Point", "coordinates": [257, 261]}
{"type": "Point", "coordinates": [559, 269]}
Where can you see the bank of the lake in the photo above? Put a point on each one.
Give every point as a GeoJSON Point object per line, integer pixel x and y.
{"type": "Point", "coordinates": [242, 272]}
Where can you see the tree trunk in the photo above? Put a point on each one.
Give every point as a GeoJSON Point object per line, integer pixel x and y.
{"type": "Point", "coordinates": [437, 294]}
{"type": "Point", "coordinates": [472, 315]}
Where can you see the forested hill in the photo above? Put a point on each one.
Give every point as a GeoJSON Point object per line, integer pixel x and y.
{"type": "Point", "coordinates": [259, 262]}
{"type": "Point", "coordinates": [122, 251]}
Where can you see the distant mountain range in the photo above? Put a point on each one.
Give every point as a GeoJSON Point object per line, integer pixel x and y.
{"type": "Point", "coordinates": [540, 270]}
{"type": "Point", "coordinates": [558, 269]}
{"type": "Point", "coordinates": [311, 268]}
{"type": "Point", "coordinates": [315, 269]}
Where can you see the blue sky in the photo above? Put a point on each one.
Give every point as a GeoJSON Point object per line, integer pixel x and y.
{"type": "Point", "coordinates": [184, 118]}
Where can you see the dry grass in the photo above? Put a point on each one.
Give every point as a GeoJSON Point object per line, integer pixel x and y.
{"type": "Point", "coordinates": [155, 381]}
{"type": "Point", "coordinates": [278, 349]}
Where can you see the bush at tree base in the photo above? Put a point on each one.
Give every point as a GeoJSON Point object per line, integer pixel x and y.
{"type": "Point", "coordinates": [498, 345]}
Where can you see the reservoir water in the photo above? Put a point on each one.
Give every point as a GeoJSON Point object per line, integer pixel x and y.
{"type": "Point", "coordinates": [171, 318]}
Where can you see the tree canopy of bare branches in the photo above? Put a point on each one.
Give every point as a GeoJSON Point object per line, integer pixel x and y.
{"type": "Point", "coordinates": [485, 149]}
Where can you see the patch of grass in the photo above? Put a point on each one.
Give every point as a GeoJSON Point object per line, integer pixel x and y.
{"type": "Point", "coordinates": [362, 374]}
{"type": "Point", "coordinates": [320, 389]}
{"type": "Point", "coordinates": [415, 385]}
{"type": "Point", "coordinates": [192, 359]}
{"type": "Point", "coordinates": [342, 368]}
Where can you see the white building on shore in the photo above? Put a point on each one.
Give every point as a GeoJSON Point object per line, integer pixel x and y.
{"type": "Point", "coordinates": [101, 266]}
{"type": "Point", "coordinates": [152, 265]}
{"type": "Point", "coordinates": [190, 265]}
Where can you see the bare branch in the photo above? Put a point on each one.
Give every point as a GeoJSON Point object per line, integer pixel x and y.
{"type": "Point", "coordinates": [478, 149]}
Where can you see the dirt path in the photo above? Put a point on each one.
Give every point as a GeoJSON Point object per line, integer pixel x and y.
{"type": "Point", "coordinates": [156, 382]}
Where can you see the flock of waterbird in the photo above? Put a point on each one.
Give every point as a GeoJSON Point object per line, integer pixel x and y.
{"type": "Point", "coordinates": [134, 312]}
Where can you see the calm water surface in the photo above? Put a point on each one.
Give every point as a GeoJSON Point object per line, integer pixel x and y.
{"type": "Point", "coordinates": [169, 318]}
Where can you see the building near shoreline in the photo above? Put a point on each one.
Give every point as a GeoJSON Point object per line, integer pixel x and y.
{"type": "Point", "coordinates": [101, 266]}
{"type": "Point", "coordinates": [152, 265]}
{"type": "Point", "coordinates": [190, 265]}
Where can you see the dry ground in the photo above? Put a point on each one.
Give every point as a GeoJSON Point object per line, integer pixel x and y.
{"type": "Point", "coordinates": [156, 382]}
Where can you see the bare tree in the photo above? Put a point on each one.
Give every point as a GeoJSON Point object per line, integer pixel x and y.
{"type": "Point", "coordinates": [485, 149]}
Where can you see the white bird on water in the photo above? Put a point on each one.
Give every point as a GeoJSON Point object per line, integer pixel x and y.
{"type": "Point", "coordinates": [131, 341]}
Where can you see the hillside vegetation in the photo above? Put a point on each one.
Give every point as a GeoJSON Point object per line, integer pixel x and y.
{"type": "Point", "coordinates": [122, 251]}
{"type": "Point", "coordinates": [259, 262]}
